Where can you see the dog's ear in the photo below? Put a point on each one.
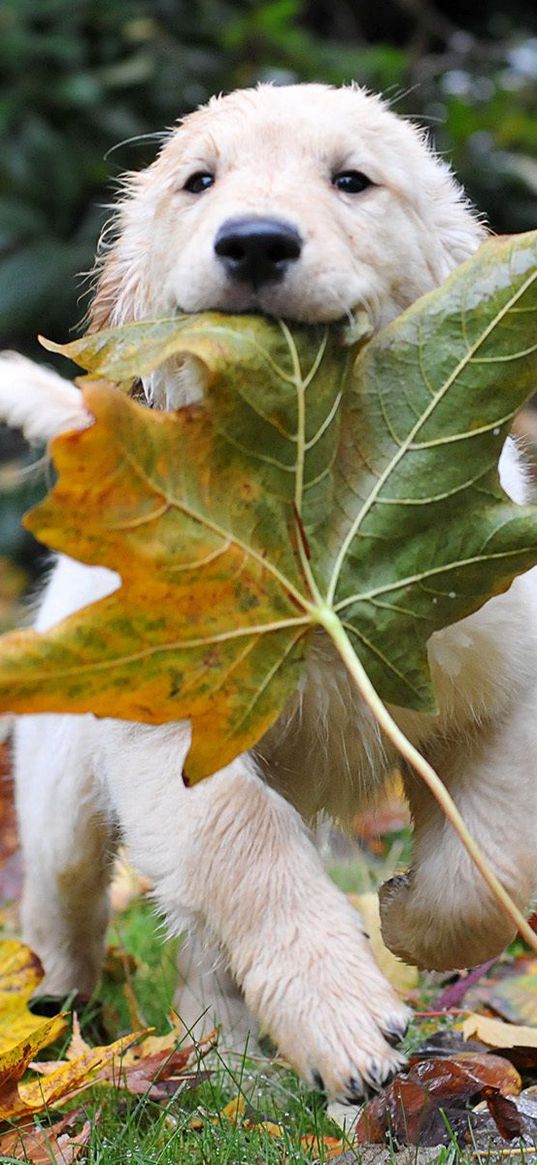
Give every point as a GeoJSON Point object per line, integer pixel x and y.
{"type": "Point", "coordinates": [460, 238]}
{"type": "Point", "coordinates": [103, 309]}
{"type": "Point", "coordinates": [120, 282]}
{"type": "Point", "coordinates": [455, 225]}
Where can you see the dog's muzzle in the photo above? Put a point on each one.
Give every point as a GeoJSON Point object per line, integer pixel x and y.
{"type": "Point", "coordinates": [257, 251]}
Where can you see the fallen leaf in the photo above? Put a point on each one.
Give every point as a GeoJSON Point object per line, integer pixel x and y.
{"type": "Point", "coordinates": [325, 1147]}
{"type": "Point", "coordinates": [20, 973]}
{"type": "Point", "coordinates": [234, 1110]}
{"type": "Point", "coordinates": [404, 1110]}
{"type": "Point", "coordinates": [62, 1083]}
{"type": "Point", "coordinates": [507, 1118]}
{"type": "Point", "coordinates": [465, 1074]}
{"type": "Point", "coordinates": [420, 1107]}
{"type": "Point", "coordinates": [47, 1146]}
{"type": "Point", "coordinates": [453, 995]}
{"type": "Point", "coordinates": [497, 1034]}
{"type": "Point", "coordinates": [514, 996]}
{"type": "Point", "coordinates": [401, 976]}
{"type": "Point", "coordinates": [243, 519]}
{"type": "Point", "coordinates": [269, 1127]}
{"type": "Point", "coordinates": [15, 1060]}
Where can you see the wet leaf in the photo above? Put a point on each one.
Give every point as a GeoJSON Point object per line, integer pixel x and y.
{"type": "Point", "coordinates": [301, 487]}
{"type": "Point", "coordinates": [465, 1075]}
{"type": "Point", "coordinates": [506, 1115]}
{"type": "Point", "coordinates": [404, 1110]}
{"type": "Point", "coordinates": [421, 1106]}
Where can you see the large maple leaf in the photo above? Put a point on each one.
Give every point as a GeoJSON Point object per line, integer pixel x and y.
{"type": "Point", "coordinates": [307, 489]}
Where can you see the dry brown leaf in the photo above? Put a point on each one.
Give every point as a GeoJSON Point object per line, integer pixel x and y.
{"type": "Point", "coordinates": [498, 1034]}
{"type": "Point", "coordinates": [51, 1146]}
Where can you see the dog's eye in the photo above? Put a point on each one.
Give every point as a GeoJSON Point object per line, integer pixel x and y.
{"type": "Point", "coordinates": [351, 181]}
{"type": "Point", "coordinates": [198, 182]}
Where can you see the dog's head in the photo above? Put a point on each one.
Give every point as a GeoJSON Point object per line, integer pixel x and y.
{"type": "Point", "coordinates": [303, 202]}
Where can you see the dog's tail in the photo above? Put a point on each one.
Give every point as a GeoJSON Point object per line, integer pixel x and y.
{"type": "Point", "coordinates": [37, 400]}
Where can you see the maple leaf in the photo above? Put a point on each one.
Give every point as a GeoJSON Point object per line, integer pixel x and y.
{"type": "Point", "coordinates": [20, 973]}
{"type": "Point", "coordinates": [306, 490]}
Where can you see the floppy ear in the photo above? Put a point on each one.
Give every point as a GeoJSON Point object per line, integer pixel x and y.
{"type": "Point", "coordinates": [121, 283]}
{"type": "Point", "coordinates": [455, 224]}
{"type": "Point", "coordinates": [103, 308]}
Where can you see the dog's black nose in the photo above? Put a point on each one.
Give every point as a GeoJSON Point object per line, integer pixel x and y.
{"type": "Point", "coordinates": [257, 250]}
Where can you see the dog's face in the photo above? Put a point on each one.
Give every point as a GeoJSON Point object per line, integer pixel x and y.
{"type": "Point", "coordinates": [302, 202]}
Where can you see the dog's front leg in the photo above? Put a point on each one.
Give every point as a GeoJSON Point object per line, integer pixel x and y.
{"type": "Point", "coordinates": [234, 855]}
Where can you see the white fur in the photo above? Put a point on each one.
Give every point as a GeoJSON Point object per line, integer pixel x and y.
{"type": "Point", "coordinates": [232, 860]}
{"type": "Point", "coordinates": [37, 400]}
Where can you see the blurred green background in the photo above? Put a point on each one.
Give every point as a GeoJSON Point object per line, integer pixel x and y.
{"type": "Point", "coordinates": [85, 85]}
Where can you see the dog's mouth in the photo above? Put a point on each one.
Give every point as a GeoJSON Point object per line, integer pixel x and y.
{"type": "Point", "coordinates": [355, 323]}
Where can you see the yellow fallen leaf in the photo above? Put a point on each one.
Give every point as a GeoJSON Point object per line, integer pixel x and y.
{"type": "Point", "coordinates": [234, 1109]}
{"type": "Point", "coordinates": [329, 1147]}
{"type": "Point", "coordinates": [77, 1044]}
{"type": "Point", "coordinates": [14, 1062]}
{"type": "Point", "coordinates": [402, 977]}
{"type": "Point", "coordinates": [20, 973]}
{"type": "Point", "coordinates": [269, 1127]}
{"type": "Point", "coordinates": [63, 1083]}
{"type": "Point", "coordinates": [498, 1034]}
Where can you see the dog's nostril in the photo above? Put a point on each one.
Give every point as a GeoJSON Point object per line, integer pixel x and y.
{"type": "Point", "coordinates": [257, 250]}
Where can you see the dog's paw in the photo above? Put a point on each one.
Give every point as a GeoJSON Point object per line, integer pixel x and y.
{"type": "Point", "coordinates": [332, 1014]}
{"type": "Point", "coordinates": [442, 930]}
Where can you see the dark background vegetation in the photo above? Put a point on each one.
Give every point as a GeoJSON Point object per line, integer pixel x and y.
{"type": "Point", "coordinates": [85, 84]}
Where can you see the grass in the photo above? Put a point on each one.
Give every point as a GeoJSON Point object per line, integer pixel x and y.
{"type": "Point", "coordinates": [140, 1131]}
{"type": "Point", "coordinates": [193, 1128]}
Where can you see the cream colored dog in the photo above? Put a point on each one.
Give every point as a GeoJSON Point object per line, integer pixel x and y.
{"type": "Point", "coordinates": [305, 203]}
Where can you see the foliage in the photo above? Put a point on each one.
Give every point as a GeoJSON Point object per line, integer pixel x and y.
{"type": "Point", "coordinates": [239, 525]}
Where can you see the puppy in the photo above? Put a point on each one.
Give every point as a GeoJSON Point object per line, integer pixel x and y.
{"type": "Point", "coordinates": [305, 203]}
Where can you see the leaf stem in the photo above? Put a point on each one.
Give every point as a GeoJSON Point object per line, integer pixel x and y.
{"type": "Point", "coordinates": [332, 625]}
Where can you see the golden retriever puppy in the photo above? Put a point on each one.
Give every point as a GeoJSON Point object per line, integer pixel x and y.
{"type": "Point", "coordinates": [306, 203]}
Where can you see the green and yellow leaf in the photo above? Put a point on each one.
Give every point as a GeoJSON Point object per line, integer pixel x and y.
{"type": "Point", "coordinates": [309, 488]}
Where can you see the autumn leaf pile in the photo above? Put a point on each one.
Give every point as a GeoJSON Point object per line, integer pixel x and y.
{"type": "Point", "coordinates": [140, 1064]}
{"type": "Point", "coordinates": [324, 480]}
